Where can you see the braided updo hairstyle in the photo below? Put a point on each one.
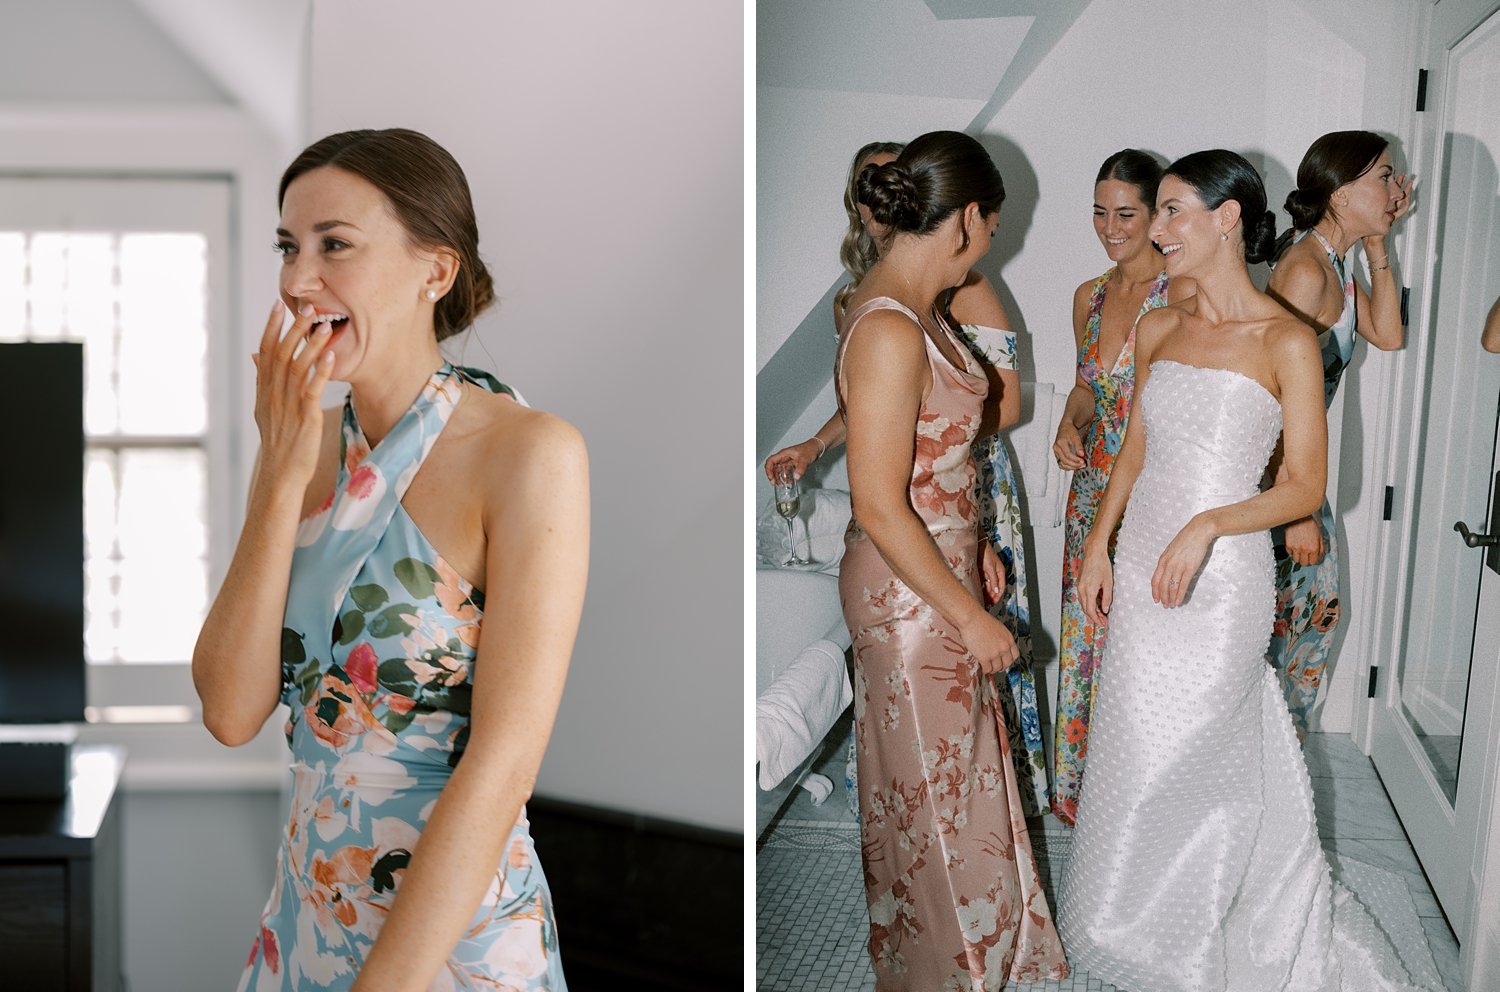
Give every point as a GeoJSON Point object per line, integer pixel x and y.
{"type": "Point", "coordinates": [1219, 175]}
{"type": "Point", "coordinates": [939, 173]}
{"type": "Point", "coordinates": [428, 194]}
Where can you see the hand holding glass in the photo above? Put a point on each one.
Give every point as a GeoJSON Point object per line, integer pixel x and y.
{"type": "Point", "coordinates": [788, 502]}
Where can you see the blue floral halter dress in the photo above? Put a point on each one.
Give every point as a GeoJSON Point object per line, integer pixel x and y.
{"type": "Point", "coordinates": [378, 656]}
{"type": "Point", "coordinates": [1307, 596]}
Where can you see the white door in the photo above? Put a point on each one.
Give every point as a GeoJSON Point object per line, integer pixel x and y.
{"type": "Point", "coordinates": [1435, 718]}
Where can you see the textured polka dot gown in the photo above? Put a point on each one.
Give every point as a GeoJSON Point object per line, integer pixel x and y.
{"type": "Point", "coordinates": [378, 655]}
{"type": "Point", "coordinates": [1196, 865]}
{"type": "Point", "coordinates": [954, 898]}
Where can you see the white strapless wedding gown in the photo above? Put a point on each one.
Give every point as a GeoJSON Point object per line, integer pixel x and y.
{"type": "Point", "coordinates": [1196, 865]}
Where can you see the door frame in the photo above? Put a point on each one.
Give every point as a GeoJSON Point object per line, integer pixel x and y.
{"type": "Point", "coordinates": [1475, 813]}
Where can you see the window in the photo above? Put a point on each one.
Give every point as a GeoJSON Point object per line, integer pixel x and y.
{"type": "Point", "coordinates": [136, 269]}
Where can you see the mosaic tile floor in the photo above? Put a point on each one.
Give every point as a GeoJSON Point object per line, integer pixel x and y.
{"type": "Point", "coordinates": [811, 926]}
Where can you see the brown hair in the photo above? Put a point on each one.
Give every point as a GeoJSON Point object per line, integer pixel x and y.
{"type": "Point", "coordinates": [1334, 159]}
{"type": "Point", "coordinates": [938, 174]}
{"type": "Point", "coordinates": [1219, 175]}
{"type": "Point", "coordinates": [429, 196]}
{"type": "Point", "coordinates": [858, 251]}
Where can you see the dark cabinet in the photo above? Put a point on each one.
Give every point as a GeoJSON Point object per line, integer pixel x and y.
{"type": "Point", "coordinates": [60, 883]}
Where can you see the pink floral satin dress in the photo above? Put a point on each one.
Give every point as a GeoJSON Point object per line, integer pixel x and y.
{"type": "Point", "coordinates": [954, 898]}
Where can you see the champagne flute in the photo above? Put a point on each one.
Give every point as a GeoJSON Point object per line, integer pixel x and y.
{"type": "Point", "coordinates": [788, 502]}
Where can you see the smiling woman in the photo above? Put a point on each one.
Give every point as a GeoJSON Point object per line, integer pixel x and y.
{"type": "Point", "coordinates": [1347, 191]}
{"type": "Point", "coordinates": [363, 582]}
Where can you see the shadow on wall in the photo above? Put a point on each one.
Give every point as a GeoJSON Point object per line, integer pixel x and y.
{"type": "Point", "coordinates": [1021, 195]}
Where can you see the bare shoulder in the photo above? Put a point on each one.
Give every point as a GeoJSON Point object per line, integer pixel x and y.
{"type": "Point", "coordinates": [518, 452]}
{"type": "Point", "coordinates": [1289, 340]}
{"type": "Point", "coordinates": [1155, 325]}
{"type": "Point", "coordinates": [885, 329]}
{"type": "Point", "coordinates": [505, 430]}
{"type": "Point", "coordinates": [976, 302]}
{"type": "Point", "coordinates": [1299, 277]}
{"type": "Point", "coordinates": [1082, 294]}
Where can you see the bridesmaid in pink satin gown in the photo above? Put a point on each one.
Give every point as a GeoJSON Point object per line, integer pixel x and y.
{"type": "Point", "coordinates": [953, 893]}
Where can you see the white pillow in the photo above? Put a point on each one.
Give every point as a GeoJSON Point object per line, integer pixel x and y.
{"type": "Point", "coordinates": [823, 516]}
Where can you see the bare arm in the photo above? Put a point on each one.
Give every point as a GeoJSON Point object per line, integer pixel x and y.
{"type": "Point", "coordinates": [1300, 285]}
{"type": "Point", "coordinates": [1096, 577]}
{"type": "Point", "coordinates": [1490, 340]}
{"type": "Point", "coordinates": [1378, 313]}
{"type": "Point", "coordinates": [237, 660]}
{"type": "Point", "coordinates": [1298, 489]}
{"type": "Point", "coordinates": [976, 302]}
{"type": "Point", "coordinates": [1078, 411]}
{"type": "Point", "coordinates": [537, 527]}
{"type": "Point", "coordinates": [886, 374]}
{"type": "Point", "coordinates": [799, 457]}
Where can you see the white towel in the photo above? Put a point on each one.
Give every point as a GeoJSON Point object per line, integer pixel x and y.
{"type": "Point", "coordinates": [1044, 484]}
{"type": "Point", "coordinates": [797, 710]}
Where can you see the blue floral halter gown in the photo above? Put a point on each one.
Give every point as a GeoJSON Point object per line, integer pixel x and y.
{"type": "Point", "coordinates": [1307, 596]}
{"type": "Point", "coordinates": [378, 656]}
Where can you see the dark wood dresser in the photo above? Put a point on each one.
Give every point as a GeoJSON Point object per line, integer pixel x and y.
{"type": "Point", "coordinates": [60, 883]}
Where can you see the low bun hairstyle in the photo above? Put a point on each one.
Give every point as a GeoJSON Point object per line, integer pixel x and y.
{"type": "Point", "coordinates": [1219, 175]}
{"type": "Point", "coordinates": [937, 174]}
{"type": "Point", "coordinates": [428, 194]}
{"type": "Point", "coordinates": [1133, 166]}
{"type": "Point", "coordinates": [1334, 159]}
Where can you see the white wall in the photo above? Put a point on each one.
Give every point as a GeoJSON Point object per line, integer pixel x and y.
{"type": "Point", "coordinates": [1169, 77]}
{"type": "Point", "coordinates": [610, 208]}
{"type": "Point", "coordinates": [604, 145]}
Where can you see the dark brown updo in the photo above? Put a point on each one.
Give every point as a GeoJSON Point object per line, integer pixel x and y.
{"type": "Point", "coordinates": [1218, 175]}
{"type": "Point", "coordinates": [429, 196]}
{"type": "Point", "coordinates": [1133, 166]}
{"type": "Point", "coordinates": [1335, 159]}
{"type": "Point", "coordinates": [937, 174]}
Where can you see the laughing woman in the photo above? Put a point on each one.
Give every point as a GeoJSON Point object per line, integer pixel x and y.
{"type": "Point", "coordinates": [407, 621]}
{"type": "Point", "coordinates": [1347, 191]}
{"type": "Point", "coordinates": [1106, 311]}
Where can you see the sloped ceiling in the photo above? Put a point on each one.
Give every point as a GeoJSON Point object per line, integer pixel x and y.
{"type": "Point", "coordinates": [927, 60]}
{"type": "Point", "coordinates": [905, 50]}
{"type": "Point", "coordinates": [256, 50]}
{"type": "Point", "coordinates": [95, 52]}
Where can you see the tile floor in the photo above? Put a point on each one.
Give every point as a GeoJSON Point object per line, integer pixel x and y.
{"type": "Point", "coordinates": [811, 926]}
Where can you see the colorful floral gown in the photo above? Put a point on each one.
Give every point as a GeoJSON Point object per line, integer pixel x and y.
{"type": "Point", "coordinates": [378, 656]}
{"type": "Point", "coordinates": [1307, 596]}
{"type": "Point", "coordinates": [1000, 523]}
{"type": "Point", "coordinates": [954, 898]}
{"type": "Point", "coordinates": [1082, 639]}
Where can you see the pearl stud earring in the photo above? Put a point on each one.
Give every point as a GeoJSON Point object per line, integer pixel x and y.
{"type": "Point", "coordinates": [432, 294]}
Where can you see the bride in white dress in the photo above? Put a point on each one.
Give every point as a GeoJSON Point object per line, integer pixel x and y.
{"type": "Point", "coordinates": [1196, 864]}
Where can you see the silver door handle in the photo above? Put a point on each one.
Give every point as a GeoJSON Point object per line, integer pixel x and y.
{"type": "Point", "coordinates": [1475, 540]}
